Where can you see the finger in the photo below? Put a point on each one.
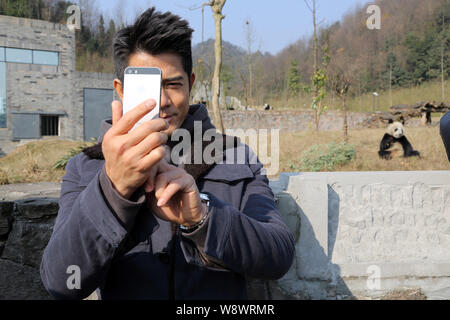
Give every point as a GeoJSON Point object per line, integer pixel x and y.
{"type": "Point", "coordinates": [165, 166]}
{"type": "Point", "coordinates": [117, 111]}
{"type": "Point", "coordinates": [130, 118]}
{"type": "Point", "coordinates": [145, 129]}
{"type": "Point", "coordinates": [153, 141]}
{"type": "Point", "coordinates": [150, 184]}
{"type": "Point", "coordinates": [163, 179]}
{"type": "Point", "coordinates": [152, 158]}
{"type": "Point", "coordinates": [182, 184]}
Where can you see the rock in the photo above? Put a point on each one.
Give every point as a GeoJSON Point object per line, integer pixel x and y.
{"type": "Point", "coordinates": [27, 241]}
{"type": "Point", "coordinates": [257, 289]}
{"type": "Point", "coordinates": [6, 210]}
{"type": "Point", "coordinates": [36, 208]}
{"type": "Point", "coordinates": [18, 282]}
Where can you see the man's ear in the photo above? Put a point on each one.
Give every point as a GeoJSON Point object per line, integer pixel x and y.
{"type": "Point", "coordinates": [191, 81]}
{"type": "Point", "coordinates": [119, 88]}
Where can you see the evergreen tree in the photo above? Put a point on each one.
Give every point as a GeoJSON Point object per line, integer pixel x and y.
{"type": "Point", "coordinates": [294, 79]}
{"type": "Point", "coordinates": [101, 36]}
{"type": "Point", "coordinates": [399, 76]}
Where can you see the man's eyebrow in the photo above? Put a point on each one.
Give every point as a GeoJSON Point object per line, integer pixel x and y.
{"type": "Point", "coordinates": [173, 79]}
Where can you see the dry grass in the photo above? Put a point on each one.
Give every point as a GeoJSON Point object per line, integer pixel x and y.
{"type": "Point", "coordinates": [427, 140]}
{"type": "Point", "coordinates": [430, 91]}
{"type": "Point", "coordinates": [33, 162]}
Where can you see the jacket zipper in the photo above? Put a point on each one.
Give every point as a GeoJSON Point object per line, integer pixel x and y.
{"type": "Point", "coordinates": [172, 262]}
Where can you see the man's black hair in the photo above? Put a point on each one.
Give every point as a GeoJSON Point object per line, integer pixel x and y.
{"type": "Point", "coordinates": [154, 33]}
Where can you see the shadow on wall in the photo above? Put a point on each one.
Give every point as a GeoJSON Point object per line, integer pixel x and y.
{"type": "Point", "coordinates": [312, 274]}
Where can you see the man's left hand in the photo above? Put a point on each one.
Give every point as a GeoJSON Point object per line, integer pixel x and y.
{"type": "Point", "coordinates": [176, 197]}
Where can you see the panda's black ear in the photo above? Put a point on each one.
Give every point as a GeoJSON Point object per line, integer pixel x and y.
{"type": "Point", "coordinates": [402, 120]}
{"type": "Point", "coordinates": [391, 121]}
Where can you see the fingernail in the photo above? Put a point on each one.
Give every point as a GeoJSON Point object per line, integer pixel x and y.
{"type": "Point", "coordinates": [160, 202]}
{"type": "Point", "coordinates": [149, 103]}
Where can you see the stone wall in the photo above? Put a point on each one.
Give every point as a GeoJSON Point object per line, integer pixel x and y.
{"type": "Point", "coordinates": [358, 235]}
{"type": "Point", "coordinates": [39, 88]}
{"type": "Point", "coordinates": [25, 229]}
{"type": "Point", "coordinates": [296, 120]}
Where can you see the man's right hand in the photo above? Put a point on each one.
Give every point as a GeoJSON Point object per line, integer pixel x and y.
{"type": "Point", "coordinates": [130, 157]}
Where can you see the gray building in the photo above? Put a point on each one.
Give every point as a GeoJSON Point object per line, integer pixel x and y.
{"type": "Point", "coordinates": [41, 94]}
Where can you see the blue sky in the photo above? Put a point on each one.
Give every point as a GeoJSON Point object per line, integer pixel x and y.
{"type": "Point", "coordinates": [276, 23]}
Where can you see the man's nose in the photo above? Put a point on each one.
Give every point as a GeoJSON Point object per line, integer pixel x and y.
{"type": "Point", "coordinates": [165, 99]}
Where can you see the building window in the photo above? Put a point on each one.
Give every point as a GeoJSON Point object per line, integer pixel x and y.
{"type": "Point", "coordinates": [15, 55]}
{"type": "Point", "coordinates": [2, 95]}
{"type": "Point", "coordinates": [49, 125]}
{"type": "Point", "coordinates": [45, 57]}
{"type": "Point", "coordinates": [19, 55]}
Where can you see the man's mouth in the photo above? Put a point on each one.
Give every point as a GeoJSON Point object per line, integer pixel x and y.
{"type": "Point", "coordinates": [167, 117]}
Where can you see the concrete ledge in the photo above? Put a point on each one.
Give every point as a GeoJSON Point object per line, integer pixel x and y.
{"type": "Point", "coordinates": [364, 234]}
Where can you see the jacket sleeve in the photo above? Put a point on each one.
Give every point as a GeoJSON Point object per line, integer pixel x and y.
{"type": "Point", "coordinates": [85, 238]}
{"type": "Point", "coordinates": [254, 240]}
{"type": "Point", "coordinates": [445, 132]}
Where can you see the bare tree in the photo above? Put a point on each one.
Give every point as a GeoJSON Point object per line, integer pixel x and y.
{"type": "Point", "coordinates": [319, 77]}
{"type": "Point", "coordinates": [90, 13]}
{"type": "Point", "coordinates": [341, 86]}
{"type": "Point", "coordinates": [216, 7]}
{"type": "Point", "coordinates": [442, 57]}
{"type": "Point", "coordinates": [250, 40]}
{"type": "Point", "coordinates": [119, 14]}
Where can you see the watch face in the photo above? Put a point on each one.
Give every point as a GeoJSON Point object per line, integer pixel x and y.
{"type": "Point", "coordinates": [204, 197]}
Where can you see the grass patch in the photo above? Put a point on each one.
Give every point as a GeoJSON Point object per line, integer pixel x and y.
{"type": "Point", "coordinates": [35, 161]}
{"type": "Point", "coordinates": [325, 157]}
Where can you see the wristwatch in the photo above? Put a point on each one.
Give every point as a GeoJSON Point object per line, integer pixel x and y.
{"type": "Point", "coordinates": [205, 199]}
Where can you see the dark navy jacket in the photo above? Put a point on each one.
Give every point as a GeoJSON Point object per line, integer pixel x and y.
{"type": "Point", "coordinates": [445, 132]}
{"type": "Point", "coordinates": [147, 258]}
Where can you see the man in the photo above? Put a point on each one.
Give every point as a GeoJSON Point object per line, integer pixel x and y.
{"type": "Point", "coordinates": [139, 227]}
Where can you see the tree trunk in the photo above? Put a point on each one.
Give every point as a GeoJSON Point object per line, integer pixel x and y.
{"type": "Point", "coordinates": [249, 61]}
{"type": "Point", "coordinates": [442, 61]}
{"type": "Point", "coordinates": [390, 85]}
{"type": "Point", "coordinates": [315, 48]}
{"type": "Point", "coordinates": [344, 107]}
{"type": "Point", "coordinates": [216, 7]}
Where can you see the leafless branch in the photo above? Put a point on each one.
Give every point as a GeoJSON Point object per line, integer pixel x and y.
{"type": "Point", "coordinates": [307, 4]}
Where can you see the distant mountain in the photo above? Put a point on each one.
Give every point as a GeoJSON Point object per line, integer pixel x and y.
{"type": "Point", "coordinates": [234, 58]}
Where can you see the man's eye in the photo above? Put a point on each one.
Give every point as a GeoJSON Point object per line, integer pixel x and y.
{"type": "Point", "coordinates": [174, 84]}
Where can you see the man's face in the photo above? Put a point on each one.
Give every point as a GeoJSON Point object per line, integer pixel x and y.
{"type": "Point", "coordinates": [175, 85]}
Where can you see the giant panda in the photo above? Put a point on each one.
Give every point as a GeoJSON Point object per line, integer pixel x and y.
{"type": "Point", "coordinates": [394, 142]}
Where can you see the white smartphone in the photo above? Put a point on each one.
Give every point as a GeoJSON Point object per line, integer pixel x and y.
{"type": "Point", "coordinates": [142, 84]}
